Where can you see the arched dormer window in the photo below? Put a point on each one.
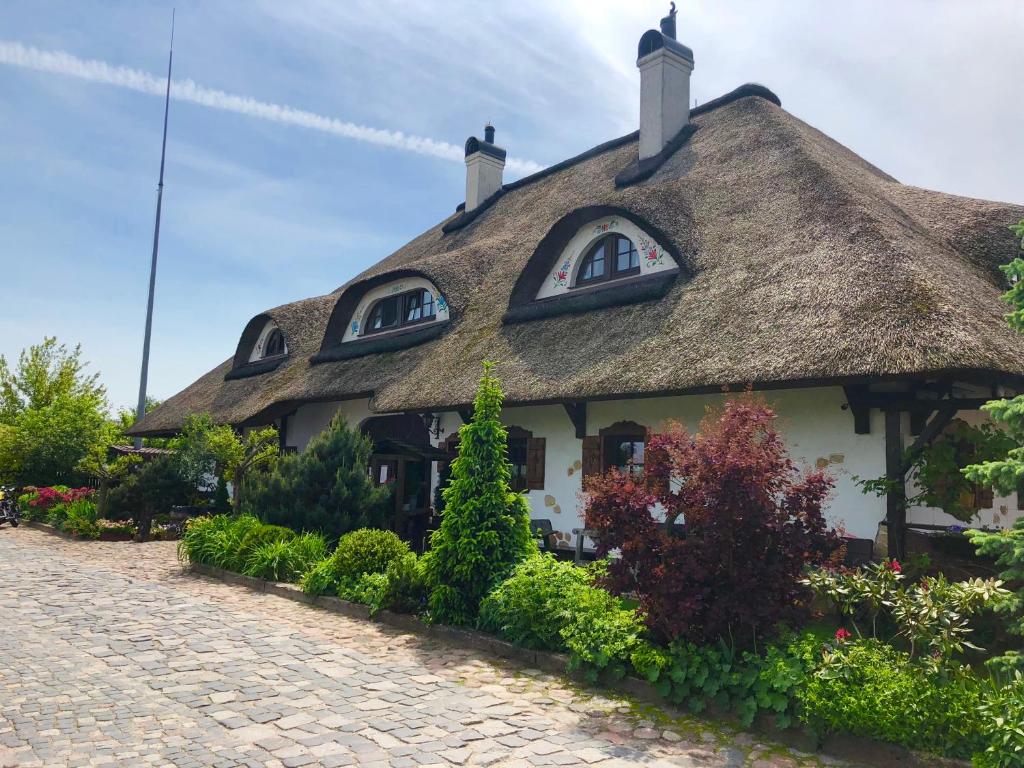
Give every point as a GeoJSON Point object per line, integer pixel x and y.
{"type": "Point", "coordinates": [397, 307]}
{"type": "Point", "coordinates": [270, 343]}
{"type": "Point", "coordinates": [594, 257]}
{"type": "Point", "coordinates": [610, 258]}
{"type": "Point", "coordinates": [383, 314]}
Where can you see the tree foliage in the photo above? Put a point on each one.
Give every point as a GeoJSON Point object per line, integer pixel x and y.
{"type": "Point", "coordinates": [324, 488]}
{"type": "Point", "coordinates": [752, 524]}
{"type": "Point", "coordinates": [485, 527]}
{"type": "Point", "coordinates": [152, 490]}
{"type": "Point", "coordinates": [51, 414]}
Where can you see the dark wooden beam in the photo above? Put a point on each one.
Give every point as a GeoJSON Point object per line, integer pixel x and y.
{"type": "Point", "coordinates": [929, 432]}
{"type": "Point", "coordinates": [578, 416]}
{"type": "Point", "coordinates": [917, 421]}
{"type": "Point", "coordinates": [896, 494]}
{"type": "Point", "coordinates": [861, 413]}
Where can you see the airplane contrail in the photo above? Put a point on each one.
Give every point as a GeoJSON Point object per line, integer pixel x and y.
{"type": "Point", "coordinates": [62, 63]}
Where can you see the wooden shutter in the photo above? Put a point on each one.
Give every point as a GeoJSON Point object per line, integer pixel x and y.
{"type": "Point", "coordinates": [591, 456]}
{"type": "Point", "coordinates": [535, 463]}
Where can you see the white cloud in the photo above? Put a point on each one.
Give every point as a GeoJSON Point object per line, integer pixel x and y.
{"type": "Point", "coordinates": [62, 63]}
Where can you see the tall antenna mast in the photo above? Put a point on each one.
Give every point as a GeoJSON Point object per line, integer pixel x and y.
{"type": "Point", "coordinates": [141, 410]}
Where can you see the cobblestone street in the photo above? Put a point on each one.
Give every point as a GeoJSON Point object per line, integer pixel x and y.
{"type": "Point", "coordinates": [111, 655]}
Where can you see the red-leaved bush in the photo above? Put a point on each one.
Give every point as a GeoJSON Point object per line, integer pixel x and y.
{"type": "Point", "coordinates": [751, 523]}
{"type": "Point", "coordinates": [48, 497]}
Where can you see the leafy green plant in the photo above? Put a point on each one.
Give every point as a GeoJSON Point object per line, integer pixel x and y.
{"type": "Point", "coordinates": [601, 634]}
{"type": "Point", "coordinates": [485, 528]}
{"type": "Point", "coordinates": [57, 514]}
{"type": "Point", "coordinates": [272, 560]}
{"type": "Point", "coordinates": [218, 540]}
{"type": "Point", "coordinates": [1002, 724]}
{"type": "Point", "coordinates": [532, 606]}
{"type": "Point", "coordinates": [80, 519]}
{"type": "Point", "coordinates": [151, 490]}
{"type": "Point", "coordinates": [367, 550]}
{"type": "Point", "coordinates": [933, 615]}
{"type": "Point", "coordinates": [368, 589]}
{"type": "Point", "coordinates": [406, 590]}
{"type": "Point", "coordinates": [867, 688]}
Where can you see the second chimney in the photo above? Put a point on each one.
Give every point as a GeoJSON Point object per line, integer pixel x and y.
{"type": "Point", "coordinates": [665, 66]}
{"type": "Point", "coordinates": [484, 165]}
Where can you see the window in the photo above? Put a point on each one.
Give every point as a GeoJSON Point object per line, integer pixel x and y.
{"type": "Point", "coordinates": [625, 452]}
{"type": "Point", "coordinates": [526, 455]}
{"type": "Point", "coordinates": [404, 309]}
{"type": "Point", "coordinates": [610, 258]}
{"type": "Point", "coordinates": [274, 344]}
{"type": "Point", "coordinates": [517, 456]}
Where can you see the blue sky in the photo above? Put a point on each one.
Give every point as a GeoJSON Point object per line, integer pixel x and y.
{"type": "Point", "coordinates": [258, 212]}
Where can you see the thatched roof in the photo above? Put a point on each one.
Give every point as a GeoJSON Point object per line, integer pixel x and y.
{"type": "Point", "coordinates": [801, 262]}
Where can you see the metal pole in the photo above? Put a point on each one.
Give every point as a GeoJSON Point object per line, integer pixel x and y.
{"type": "Point", "coordinates": [140, 411]}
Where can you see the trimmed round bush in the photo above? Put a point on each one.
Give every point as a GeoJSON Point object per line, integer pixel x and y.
{"type": "Point", "coordinates": [367, 551]}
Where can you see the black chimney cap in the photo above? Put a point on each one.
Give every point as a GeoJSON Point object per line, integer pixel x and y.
{"type": "Point", "coordinates": [489, 133]}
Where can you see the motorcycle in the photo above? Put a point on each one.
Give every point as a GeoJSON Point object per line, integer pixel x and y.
{"type": "Point", "coordinates": [8, 507]}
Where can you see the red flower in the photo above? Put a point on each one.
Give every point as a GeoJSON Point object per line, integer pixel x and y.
{"type": "Point", "coordinates": [842, 635]}
{"type": "Point", "coordinates": [604, 226]}
{"type": "Point", "coordinates": [895, 566]}
{"type": "Point", "coordinates": [653, 254]}
{"type": "Point", "coordinates": [562, 275]}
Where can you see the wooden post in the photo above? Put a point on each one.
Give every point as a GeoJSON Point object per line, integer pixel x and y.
{"type": "Point", "coordinates": [896, 496]}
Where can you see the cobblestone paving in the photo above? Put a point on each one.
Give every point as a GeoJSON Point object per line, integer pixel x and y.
{"type": "Point", "coordinates": [111, 655]}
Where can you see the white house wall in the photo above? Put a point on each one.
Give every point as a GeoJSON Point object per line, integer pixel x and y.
{"type": "Point", "coordinates": [817, 429]}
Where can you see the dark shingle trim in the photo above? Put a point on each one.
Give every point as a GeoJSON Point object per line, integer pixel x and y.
{"type": "Point", "coordinates": [255, 368]}
{"type": "Point", "coordinates": [388, 342]}
{"type": "Point", "coordinates": [630, 291]}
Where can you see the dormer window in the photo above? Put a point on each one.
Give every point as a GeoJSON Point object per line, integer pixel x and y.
{"type": "Point", "coordinates": [275, 344]}
{"type": "Point", "coordinates": [270, 343]}
{"type": "Point", "coordinates": [593, 258]}
{"type": "Point", "coordinates": [405, 309]}
{"type": "Point", "coordinates": [609, 258]}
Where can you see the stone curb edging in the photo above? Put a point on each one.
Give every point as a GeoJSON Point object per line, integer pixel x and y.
{"type": "Point", "coordinates": [865, 751]}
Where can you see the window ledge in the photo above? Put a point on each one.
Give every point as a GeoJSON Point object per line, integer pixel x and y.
{"type": "Point", "coordinates": [609, 294]}
{"type": "Point", "coordinates": [255, 368]}
{"type": "Point", "coordinates": [380, 342]}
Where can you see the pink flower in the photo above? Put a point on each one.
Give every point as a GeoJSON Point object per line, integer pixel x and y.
{"type": "Point", "coordinates": [896, 567]}
{"type": "Point", "coordinates": [843, 635]}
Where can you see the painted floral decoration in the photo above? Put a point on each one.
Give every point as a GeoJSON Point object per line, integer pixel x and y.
{"type": "Point", "coordinates": [653, 255]}
{"type": "Point", "coordinates": [562, 275]}
{"type": "Point", "coordinates": [442, 302]}
{"type": "Point", "coordinates": [355, 326]}
{"type": "Point", "coordinates": [605, 226]}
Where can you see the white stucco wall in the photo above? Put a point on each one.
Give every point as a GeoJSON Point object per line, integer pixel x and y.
{"type": "Point", "coordinates": [816, 428]}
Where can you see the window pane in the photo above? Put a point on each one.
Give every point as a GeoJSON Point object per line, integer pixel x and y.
{"type": "Point", "coordinates": [413, 307]}
{"type": "Point", "coordinates": [626, 257]}
{"type": "Point", "coordinates": [385, 314]}
{"type": "Point", "coordinates": [517, 458]}
{"type": "Point", "coordinates": [626, 453]}
{"type": "Point", "coordinates": [275, 344]}
{"type": "Point", "coordinates": [428, 304]}
{"type": "Point", "coordinates": [594, 268]}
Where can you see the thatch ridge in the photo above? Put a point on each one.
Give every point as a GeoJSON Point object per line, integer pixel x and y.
{"type": "Point", "coordinates": [805, 264]}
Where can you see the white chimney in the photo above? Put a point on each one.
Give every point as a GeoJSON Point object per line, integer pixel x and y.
{"type": "Point", "coordinates": [484, 164]}
{"type": "Point", "coordinates": [665, 66]}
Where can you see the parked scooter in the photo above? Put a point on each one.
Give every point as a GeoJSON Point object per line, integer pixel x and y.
{"type": "Point", "coordinates": [8, 507]}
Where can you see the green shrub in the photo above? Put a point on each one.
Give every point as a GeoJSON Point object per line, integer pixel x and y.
{"type": "Point", "coordinates": [256, 537]}
{"type": "Point", "coordinates": [321, 578]}
{"type": "Point", "coordinates": [217, 540]}
{"type": "Point", "coordinates": [57, 514]}
{"type": "Point", "coordinates": [367, 550]}
{"type": "Point", "coordinates": [272, 560]}
{"type": "Point", "coordinates": [324, 488]}
{"type": "Point", "coordinates": [533, 605]}
{"type": "Point", "coordinates": [601, 635]}
{"type": "Point", "coordinates": [867, 688]}
{"type": "Point", "coordinates": [308, 549]}
{"type": "Point", "coordinates": [485, 528]}
{"type": "Point", "coordinates": [367, 588]}
{"type": "Point", "coordinates": [744, 684]}
{"type": "Point", "coordinates": [406, 590]}
{"type": "Point", "coordinates": [80, 519]}
{"type": "Point", "coordinates": [1002, 725]}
